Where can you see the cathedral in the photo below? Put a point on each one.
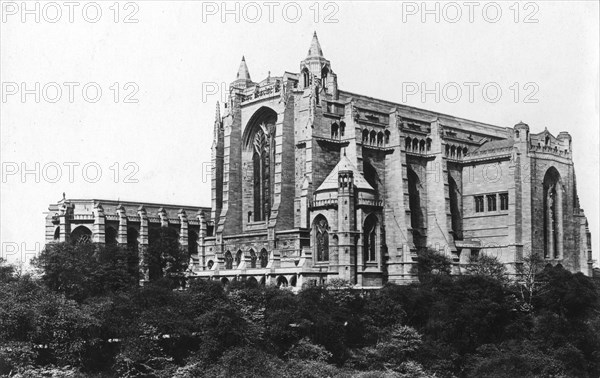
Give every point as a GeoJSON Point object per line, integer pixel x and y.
{"type": "Point", "coordinates": [311, 183]}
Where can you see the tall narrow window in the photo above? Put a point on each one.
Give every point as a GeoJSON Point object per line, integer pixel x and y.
{"type": "Point", "coordinates": [553, 214]}
{"type": "Point", "coordinates": [503, 201]}
{"type": "Point", "coordinates": [238, 258]}
{"type": "Point", "coordinates": [491, 202]}
{"type": "Point", "coordinates": [228, 260]}
{"type": "Point", "coordinates": [370, 238]}
{"type": "Point", "coordinates": [479, 204]}
{"type": "Point", "coordinates": [322, 239]}
{"type": "Point", "coordinates": [253, 259]}
{"type": "Point", "coordinates": [417, 218]}
{"type": "Point", "coordinates": [264, 258]}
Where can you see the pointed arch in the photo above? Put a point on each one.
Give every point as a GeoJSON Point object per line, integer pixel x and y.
{"type": "Point", "coordinates": [342, 128]}
{"type": "Point", "coordinates": [264, 258]}
{"type": "Point", "coordinates": [305, 77]}
{"type": "Point", "coordinates": [259, 147]}
{"type": "Point", "coordinates": [365, 136]}
{"type": "Point", "coordinates": [380, 138]}
{"type": "Point", "coordinates": [282, 281]}
{"type": "Point", "coordinates": [387, 136]}
{"type": "Point", "coordinates": [238, 258]}
{"type": "Point", "coordinates": [372, 137]}
{"type": "Point", "coordinates": [253, 258]}
{"type": "Point", "coordinates": [228, 260]}
{"type": "Point", "coordinates": [334, 130]}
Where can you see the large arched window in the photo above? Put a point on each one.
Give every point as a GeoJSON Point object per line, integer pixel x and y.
{"type": "Point", "coordinates": [370, 238]}
{"type": "Point", "coordinates": [416, 212]}
{"type": "Point", "coordinates": [553, 210]}
{"type": "Point", "coordinates": [81, 235]}
{"type": "Point", "coordinates": [321, 230]}
{"type": "Point", "coordinates": [259, 142]}
{"type": "Point", "coordinates": [228, 260]}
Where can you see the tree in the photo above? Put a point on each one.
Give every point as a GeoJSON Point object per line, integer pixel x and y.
{"type": "Point", "coordinates": [165, 257]}
{"type": "Point", "coordinates": [432, 264]}
{"type": "Point", "coordinates": [528, 281]}
{"type": "Point", "coordinates": [84, 270]}
{"type": "Point", "coordinates": [488, 266]}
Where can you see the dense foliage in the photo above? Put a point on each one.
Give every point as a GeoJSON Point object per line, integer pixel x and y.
{"type": "Point", "coordinates": [86, 316]}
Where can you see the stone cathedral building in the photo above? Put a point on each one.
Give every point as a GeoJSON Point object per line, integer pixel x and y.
{"type": "Point", "coordinates": [312, 183]}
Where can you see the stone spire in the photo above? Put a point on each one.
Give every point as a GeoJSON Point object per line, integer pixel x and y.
{"type": "Point", "coordinates": [242, 79]}
{"type": "Point", "coordinates": [243, 73]}
{"type": "Point", "coordinates": [315, 47]}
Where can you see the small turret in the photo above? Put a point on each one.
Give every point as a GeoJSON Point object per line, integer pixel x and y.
{"type": "Point", "coordinates": [521, 131]}
{"type": "Point", "coordinates": [315, 70]}
{"type": "Point", "coordinates": [565, 139]}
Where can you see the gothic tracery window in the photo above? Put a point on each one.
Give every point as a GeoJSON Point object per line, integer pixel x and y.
{"type": "Point", "coordinates": [322, 239]}
{"type": "Point", "coordinates": [261, 160]}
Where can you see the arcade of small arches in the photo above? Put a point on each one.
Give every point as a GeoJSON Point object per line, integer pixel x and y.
{"type": "Point", "coordinates": [417, 145]}
{"type": "Point", "coordinates": [338, 130]}
{"type": "Point", "coordinates": [254, 260]}
{"type": "Point", "coordinates": [282, 281]}
{"type": "Point", "coordinates": [456, 151]}
{"type": "Point", "coordinates": [83, 235]}
{"type": "Point", "coordinates": [375, 138]}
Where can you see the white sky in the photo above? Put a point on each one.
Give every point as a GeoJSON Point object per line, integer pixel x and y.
{"type": "Point", "coordinates": [171, 54]}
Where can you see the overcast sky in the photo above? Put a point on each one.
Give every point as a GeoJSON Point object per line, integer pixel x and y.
{"type": "Point", "coordinates": [173, 64]}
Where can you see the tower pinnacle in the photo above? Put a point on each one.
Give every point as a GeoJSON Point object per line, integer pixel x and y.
{"type": "Point", "coordinates": [243, 73]}
{"type": "Point", "coordinates": [315, 47]}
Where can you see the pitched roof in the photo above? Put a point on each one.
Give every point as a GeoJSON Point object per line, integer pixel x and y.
{"type": "Point", "coordinates": [495, 145]}
{"type": "Point", "coordinates": [331, 182]}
